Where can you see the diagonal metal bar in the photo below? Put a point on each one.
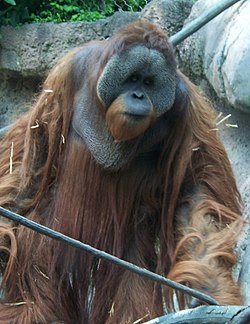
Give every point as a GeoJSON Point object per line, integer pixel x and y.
{"type": "Point", "coordinates": [206, 314]}
{"type": "Point", "coordinates": [106, 256]}
{"type": "Point", "coordinates": [200, 21]}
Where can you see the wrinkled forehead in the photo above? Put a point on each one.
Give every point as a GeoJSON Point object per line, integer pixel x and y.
{"type": "Point", "coordinates": [137, 58]}
{"type": "Point", "coordinates": [142, 56]}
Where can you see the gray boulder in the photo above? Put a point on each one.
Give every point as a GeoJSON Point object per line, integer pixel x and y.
{"type": "Point", "coordinates": [244, 273]}
{"type": "Point", "coordinates": [170, 15]}
{"type": "Point", "coordinates": [220, 51]}
{"type": "Point", "coordinates": [33, 49]}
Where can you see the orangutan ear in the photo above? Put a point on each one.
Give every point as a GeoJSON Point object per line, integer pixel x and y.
{"type": "Point", "coordinates": [181, 95]}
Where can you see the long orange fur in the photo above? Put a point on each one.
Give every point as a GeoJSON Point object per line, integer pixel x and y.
{"type": "Point", "coordinates": [137, 214]}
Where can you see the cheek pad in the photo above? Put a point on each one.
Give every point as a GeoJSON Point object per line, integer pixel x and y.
{"type": "Point", "coordinates": [162, 94]}
{"type": "Point", "coordinates": [135, 59]}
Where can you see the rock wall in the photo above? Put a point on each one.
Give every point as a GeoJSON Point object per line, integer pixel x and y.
{"type": "Point", "coordinates": [220, 51]}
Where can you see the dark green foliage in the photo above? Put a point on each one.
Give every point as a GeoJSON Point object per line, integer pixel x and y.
{"type": "Point", "coordinates": [26, 11]}
{"type": "Point", "coordinates": [67, 10]}
{"type": "Point", "coordinates": [16, 12]}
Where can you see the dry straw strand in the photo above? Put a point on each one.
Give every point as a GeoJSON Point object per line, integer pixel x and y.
{"type": "Point", "coordinates": [11, 157]}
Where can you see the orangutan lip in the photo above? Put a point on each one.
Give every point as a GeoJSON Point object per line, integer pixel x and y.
{"type": "Point", "coordinates": [135, 116]}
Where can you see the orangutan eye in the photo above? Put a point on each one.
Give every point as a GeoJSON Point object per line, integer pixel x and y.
{"type": "Point", "coordinates": [134, 78]}
{"type": "Point", "coordinates": [148, 81]}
